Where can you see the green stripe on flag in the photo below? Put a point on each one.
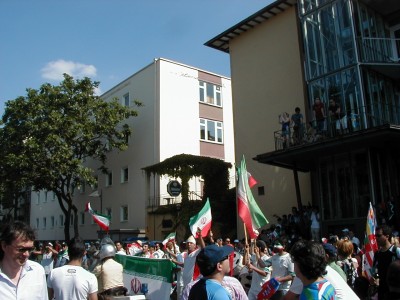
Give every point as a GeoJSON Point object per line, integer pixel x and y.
{"type": "Point", "coordinates": [157, 269]}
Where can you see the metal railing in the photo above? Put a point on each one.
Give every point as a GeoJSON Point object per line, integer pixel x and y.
{"type": "Point", "coordinates": [380, 50]}
{"type": "Point", "coordinates": [350, 121]}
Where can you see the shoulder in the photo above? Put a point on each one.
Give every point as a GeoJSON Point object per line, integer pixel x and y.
{"type": "Point", "coordinates": [33, 266]}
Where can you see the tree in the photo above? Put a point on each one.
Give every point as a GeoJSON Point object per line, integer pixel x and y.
{"type": "Point", "coordinates": [47, 135]}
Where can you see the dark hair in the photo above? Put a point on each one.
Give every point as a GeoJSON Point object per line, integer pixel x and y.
{"type": "Point", "coordinates": [310, 258]}
{"type": "Point", "coordinates": [205, 265]}
{"type": "Point", "coordinates": [386, 230]}
{"type": "Point", "coordinates": [261, 244]}
{"type": "Point", "coordinates": [297, 109]}
{"type": "Point", "coordinates": [76, 248]}
{"type": "Point", "coordinates": [12, 231]}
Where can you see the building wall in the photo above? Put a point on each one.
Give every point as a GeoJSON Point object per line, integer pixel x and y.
{"type": "Point", "coordinates": [167, 124]}
{"type": "Point", "coordinates": [267, 72]}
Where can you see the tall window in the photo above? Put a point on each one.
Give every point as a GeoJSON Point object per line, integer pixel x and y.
{"type": "Point", "coordinates": [44, 223]}
{"type": "Point", "coordinates": [124, 213]}
{"type": "Point", "coordinates": [124, 175]}
{"type": "Point", "coordinates": [52, 222]}
{"type": "Point", "coordinates": [82, 218]}
{"type": "Point", "coordinates": [126, 101]}
{"type": "Point", "coordinates": [211, 131]}
{"type": "Point", "coordinates": [37, 223]}
{"type": "Point", "coordinates": [61, 218]}
{"type": "Point", "coordinates": [210, 93]}
{"type": "Point", "coordinates": [109, 179]}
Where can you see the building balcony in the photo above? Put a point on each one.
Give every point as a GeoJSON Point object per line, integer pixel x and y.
{"type": "Point", "coordinates": [379, 50]}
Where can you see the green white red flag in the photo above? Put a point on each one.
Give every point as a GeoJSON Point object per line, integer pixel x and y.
{"type": "Point", "coordinates": [248, 209]}
{"type": "Point", "coordinates": [102, 220]}
{"type": "Point", "coordinates": [169, 238]}
{"type": "Point", "coordinates": [370, 243]}
{"type": "Point", "coordinates": [202, 220]}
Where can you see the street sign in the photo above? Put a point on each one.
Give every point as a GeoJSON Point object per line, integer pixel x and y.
{"type": "Point", "coordinates": [174, 188]}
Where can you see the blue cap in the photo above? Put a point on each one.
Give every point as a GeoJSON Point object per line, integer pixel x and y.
{"type": "Point", "coordinates": [330, 249]}
{"type": "Point", "coordinates": [214, 254]}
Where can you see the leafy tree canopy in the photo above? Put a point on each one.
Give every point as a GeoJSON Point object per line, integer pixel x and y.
{"type": "Point", "coordinates": [47, 135]}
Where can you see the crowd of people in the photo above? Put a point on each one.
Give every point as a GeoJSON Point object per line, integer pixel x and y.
{"type": "Point", "coordinates": [301, 268]}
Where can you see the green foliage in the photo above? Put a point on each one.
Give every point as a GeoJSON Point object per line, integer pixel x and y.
{"type": "Point", "coordinates": [47, 135]}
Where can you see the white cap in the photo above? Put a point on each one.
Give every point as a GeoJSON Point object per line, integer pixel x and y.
{"type": "Point", "coordinates": [345, 230]}
{"type": "Point", "coordinates": [191, 239]}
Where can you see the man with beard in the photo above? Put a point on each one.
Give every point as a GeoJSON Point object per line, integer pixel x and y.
{"type": "Point", "coordinates": [20, 278]}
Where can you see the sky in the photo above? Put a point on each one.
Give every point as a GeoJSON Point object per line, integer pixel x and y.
{"type": "Point", "coordinates": [109, 40]}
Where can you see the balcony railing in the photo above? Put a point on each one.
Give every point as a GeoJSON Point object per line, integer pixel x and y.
{"type": "Point", "coordinates": [351, 121]}
{"type": "Point", "coordinates": [163, 200]}
{"type": "Point", "coordinates": [379, 50]}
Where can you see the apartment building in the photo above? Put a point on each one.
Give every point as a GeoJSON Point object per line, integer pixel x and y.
{"type": "Point", "coordinates": [185, 110]}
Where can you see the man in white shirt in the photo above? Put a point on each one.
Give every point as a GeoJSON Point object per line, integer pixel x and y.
{"type": "Point", "coordinates": [71, 281]}
{"type": "Point", "coordinates": [20, 278]}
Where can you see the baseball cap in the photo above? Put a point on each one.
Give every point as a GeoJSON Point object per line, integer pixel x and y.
{"type": "Point", "coordinates": [345, 230]}
{"type": "Point", "coordinates": [330, 249]}
{"type": "Point", "coordinates": [191, 239]}
{"type": "Point", "coordinates": [236, 241]}
{"type": "Point", "coordinates": [214, 254]}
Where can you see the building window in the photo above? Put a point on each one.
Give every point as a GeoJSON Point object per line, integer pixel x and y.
{"type": "Point", "coordinates": [211, 131]}
{"type": "Point", "coordinates": [37, 223]}
{"type": "Point", "coordinates": [210, 93]}
{"type": "Point", "coordinates": [126, 101]}
{"type": "Point", "coordinates": [54, 197]}
{"type": "Point", "coordinates": [108, 212]}
{"type": "Point", "coordinates": [61, 218]}
{"type": "Point", "coordinates": [261, 191]}
{"type": "Point", "coordinates": [37, 197]}
{"type": "Point", "coordinates": [45, 197]}
{"type": "Point", "coordinates": [109, 179]}
{"type": "Point", "coordinates": [124, 213]}
{"type": "Point", "coordinates": [82, 218]}
{"type": "Point", "coordinates": [124, 175]}
{"type": "Point", "coordinates": [52, 221]}
{"type": "Point", "coordinates": [44, 223]}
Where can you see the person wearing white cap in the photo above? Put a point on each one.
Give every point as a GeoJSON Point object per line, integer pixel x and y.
{"type": "Point", "coordinates": [48, 259]}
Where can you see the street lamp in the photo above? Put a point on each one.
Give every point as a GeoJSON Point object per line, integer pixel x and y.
{"type": "Point", "coordinates": [100, 195]}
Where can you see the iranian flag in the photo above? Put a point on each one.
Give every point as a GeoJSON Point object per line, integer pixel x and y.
{"type": "Point", "coordinates": [248, 209]}
{"type": "Point", "coordinates": [170, 238]}
{"type": "Point", "coordinates": [202, 220]}
{"type": "Point", "coordinates": [102, 220]}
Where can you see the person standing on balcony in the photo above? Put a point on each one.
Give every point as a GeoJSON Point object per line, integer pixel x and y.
{"type": "Point", "coordinates": [298, 126]}
{"type": "Point", "coordinates": [334, 116]}
{"type": "Point", "coordinates": [319, 115]}
{"type": "Point", "coordinates": [284, 120]}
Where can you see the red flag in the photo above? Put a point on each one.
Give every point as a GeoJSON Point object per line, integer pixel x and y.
{"type": "Point", "coordinates": [252, 181]}
{"type": "Point", "coordinates": [370, 243]}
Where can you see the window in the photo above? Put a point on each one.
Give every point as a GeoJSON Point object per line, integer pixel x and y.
{"type": "Point", "coordinates": [126, 101]}
{"type": "Point", "coordinates": [211, 131]}
{"type": "Point", "coordinates": [61, 218]}
{"type": "Point", "coordinates": [109, 179]}
{"type": "Point", "coordinates": [210, 93]}
{"type": "Point", "coordinates": [37, 223]}
{"type": "Point", "coordinates": [124, 175]}
{"type": "Point", "coordinates": [44, 223]}
{"type": "Point", "coordinates": [52, 222]}
{"type": "Point", "coordinates": [82, 222]}
{"type": "Point", "coordinates": [108, 212]}
{"type": "Point", "coordinates": [54, 197]}
{"type": "Point", "coordinates": [37, 197]}
{"type": "Point", "coordinates": [45, 197]}
{"type": "Point", "coordinates": [124, 213]}
{"type": "Point", "coordinates": [261, 191]}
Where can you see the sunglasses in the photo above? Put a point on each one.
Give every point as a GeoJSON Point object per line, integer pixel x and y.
{"type": "Point", "coordinates": [24, 249]}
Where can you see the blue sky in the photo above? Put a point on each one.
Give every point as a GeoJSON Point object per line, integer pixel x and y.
{"type": "Point", "coordinates": [109, 40]}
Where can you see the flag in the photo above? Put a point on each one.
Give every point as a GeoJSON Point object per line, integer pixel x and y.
{"type": "Point", "coordinates": [252, 181]}
{"type": "Point", "coordinates": [248, 209]}
{"type": "Point", "coordinates": [102, 220]}
{"type": "Point", "coordinates": [202, 220]}
{"type": "Point", "coordinates": [370, 243]}
{"type": "Point", "coordinates": [170, 238]}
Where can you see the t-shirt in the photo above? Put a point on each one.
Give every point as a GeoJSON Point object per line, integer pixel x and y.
{"type": "Point", "coordinates": [208, 289]}
{"type": "Point", "coordinates": [318, 111]}
{"type": "Point", "coordinates": [47, 262]}
{"type": "Point", "coordinates": [321, 290]}
{"type": "Point", "coordinates": [109, 274]}
{"type": "Point", "coordinates": [189, 266]}
{"type": "Point", "coordinates": [296, 118]}
{"type": "Point", "coordinates": [72, 283]}
{"type": "Point", "coordinates": [257, 280]}
{"type": "Point", "coordinates": [282, 266]}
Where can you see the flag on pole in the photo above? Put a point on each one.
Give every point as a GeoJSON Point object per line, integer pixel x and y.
{"type": "Point", "coordinates": [202, 220]}
{"type": "Point", "coordinates": [370, 243]}
{"type": "Point", "coordinates": [102, 220]}
{"type": "Point", "coordinates": [248, 209]}
{"type": "Point", "coordinates": [170, 238]}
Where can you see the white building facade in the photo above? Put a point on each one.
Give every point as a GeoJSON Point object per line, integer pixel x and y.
{"type": "Point", "coordinates": [185, 110]}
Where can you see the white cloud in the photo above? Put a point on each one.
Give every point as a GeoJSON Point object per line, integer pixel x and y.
{"type": "Point", "coordinates": [54, 70]}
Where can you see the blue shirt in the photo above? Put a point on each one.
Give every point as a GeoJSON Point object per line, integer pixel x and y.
{"type": "Point", "coordinates": [321, 290]}
{"type": "Point", "coordinates": [208, 289]}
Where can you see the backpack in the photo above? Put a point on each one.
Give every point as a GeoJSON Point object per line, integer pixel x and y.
{"type": "Point", "coordinates": [351, 272]}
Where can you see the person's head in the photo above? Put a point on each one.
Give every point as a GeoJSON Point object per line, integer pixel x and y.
{"type": "Point", "coordinates": [227, 241]}
{"type": "Point", "coordinates": [191, 243]}
{"type": "Point", "coordinates": [262, 246]}
{"type": "Point", "coordinates": [76, 248]}
{"type": "Point", "coordinates": [279, 246]}
{"type": "Point", "coordinates": [170, 245]}
{"type": "Point", "coordinates": [309, 259]}
{"type": "Point", "coordinates": [317, 100]}
{"type": "Point", "coordinates": [145, 247]}
{"type": "Point", "coordinates": [213, 259]}
{"type": "Point", "coordinates": [219, 242]}
{"type": "Point", "coordinates": [297, 110]}
{"type": "Point", "coordinates": [17, 242]}
{"type": "Point", "coordinates": [118, 245]}
{"type": "Point", "coordinates": [344, 248]}
{"type": "Point", "coordinates": [393, 276]}
{"type": "Point", "coordinates": [383, 235]}
{"type": "Point", "coordinates": [157, 246]}
{"type": "Point", "coordinates": [330, 251]}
